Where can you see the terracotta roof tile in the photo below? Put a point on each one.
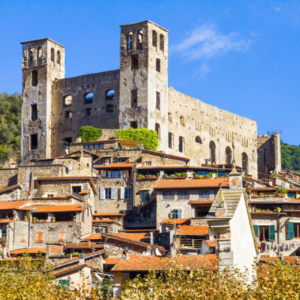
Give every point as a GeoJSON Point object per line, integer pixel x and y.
{"type": "Point", "coordinates": [12, 204]}
{"type": "Point", "coordinates": [82, 245]}
{"type": "Point", "coordinates": [132, 236]}
{"type": "Point", "coordinates": [193, 229]}
{"type": "Point", "coordinates": [115, 165]}
{"type": "Point", "coordinates": [211, 243]}
{"type": "Point", "coordinates": [108, 215]}
{"type": "Point", "coordinates": [207, 201]}
{"type": "Point", "coordinates": [166, 155]}
{"type": "Point", "coordinates": [6, 220]}
{"type": "Point", "coordinates": [177, 221]}
{"type": "Point", "coordinates": [12, 187]}
{"type": "Point", "coordinates": [56, 208]}
{"type": "Point", "coordinates": [112, 260]}
{"type": "Point", "coordinates": [64, 178]}
{"type": "Point", "coordinates": [146, 263]}
{"type": "Point", "coordinates": [191, 183]}
{"type": "Point", "coordinates": [69, 269]}
{"type": "Point", "coordinates": [106, 221]}
{"type": "Point", "coordinates": [93, 236]}
{"type": "Point", "coordinates": [29, 250]}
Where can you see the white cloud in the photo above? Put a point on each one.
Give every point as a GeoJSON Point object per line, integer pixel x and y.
{"type": "Point", "coordinates": [205, 43]}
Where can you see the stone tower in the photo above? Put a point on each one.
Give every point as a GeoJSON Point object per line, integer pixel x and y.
{"type": "Point", "coordinates": [144, 78]}
{"type": "Point", "coordinates": [43, 62]}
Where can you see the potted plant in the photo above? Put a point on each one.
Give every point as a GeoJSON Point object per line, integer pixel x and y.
{"type": "Point", "coordinates": [261, 194]}
{"type": "Point", "coordinates": [184, 175]}
{"type": "Point", "coordinates": [52, 219]}
{"type": "Point", "coordinates": [74, 218]}
{"type": "Point", "coordinates": [25, 218]}
{"type": "Point", "coordinates": [34, 219]}
{"type": "Point", "coordinates": [279, 209]}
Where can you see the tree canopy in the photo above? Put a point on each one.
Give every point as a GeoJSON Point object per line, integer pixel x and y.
{"type": "Point", "coordinates": [290, 156]}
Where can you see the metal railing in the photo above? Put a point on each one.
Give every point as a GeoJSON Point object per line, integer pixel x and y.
{"type": "Point", "coordinates": [191, 243]}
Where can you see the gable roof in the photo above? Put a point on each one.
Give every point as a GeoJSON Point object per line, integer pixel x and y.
{"type": "Point", "coordinates": [166, 155]}
{"type": "Point", "coordinates": [176, 221]}
{"type": "Point", "coordinates": [146, 263]}
{"type": "Point", "coordinates": [10, 188]}
{"type": "Point", "coordinates": [13, 204]}
{"type": "Point", "coordinates": [29, 250]}
{"type": "Point", "coordinates": [133, 236]}
{"type": "Point", "coordinates": [191, 183]}
{"type": "Point", "coordinates": [193, 230]}
{"type": "Point", "coordinates": [69, 270]}
{"type": "Point", "coordinates": [79, 153]}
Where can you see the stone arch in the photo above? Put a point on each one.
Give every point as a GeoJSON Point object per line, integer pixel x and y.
{"type": "Point", "coordinates": [228, 156]}
{"type": "Point", "coordinates": [110, 95]}
{"type": "Point", "coordinates": [129, 40]}
{"type": "Point", "coordinates": [245, 162]}
{"type": "Point", "coordinates": [198, 139]}
{"type": "Point", "coordinates": [58, 57]}
{"type": "Point", "coordinates": [212, 151]}
{"type": "Point", "coordinates": [67, 100]}
{"type": "Point", "coordinates": [40, 53]}
{"type": "Point", "coordinates": [139, 39]}
{"type": "Point", "coordinates": [161, 42]}
{"type": "Point", "coordinates": [31, 55]}
{"type": "Point", "coordinates": [52, 54]}
{"type": "Point", "coordinates": [88, 98]}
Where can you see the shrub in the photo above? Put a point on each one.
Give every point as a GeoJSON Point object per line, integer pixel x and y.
{"type": "Point", "coordinates": [89, 133]}
{"type": "Point", "coordinates": [147, 137]}
{"type": "Point", "coordinates": [4, 154]}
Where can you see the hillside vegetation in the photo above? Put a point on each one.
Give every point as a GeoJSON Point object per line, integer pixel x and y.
{"type": "Point", "coordinates": [10, 126]}
{"type": "Point", "coordinates": [290, 156]}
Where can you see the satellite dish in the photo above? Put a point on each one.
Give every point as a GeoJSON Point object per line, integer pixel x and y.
{"type": "Point", "coordinates": [69, 168]}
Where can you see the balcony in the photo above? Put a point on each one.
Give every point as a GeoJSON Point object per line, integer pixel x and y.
{"type": "Point", "coordinates": [191, 243]}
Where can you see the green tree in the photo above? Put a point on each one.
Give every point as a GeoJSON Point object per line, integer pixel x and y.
{"type": "Point", "coordinates": [89, 133]}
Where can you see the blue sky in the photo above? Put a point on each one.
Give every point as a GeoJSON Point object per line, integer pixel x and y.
{"type": "Point", "coordinates": [241, 56]}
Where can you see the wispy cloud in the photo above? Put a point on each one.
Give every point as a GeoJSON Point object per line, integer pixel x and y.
{"type": "Point", "coordinates": [205, 43]}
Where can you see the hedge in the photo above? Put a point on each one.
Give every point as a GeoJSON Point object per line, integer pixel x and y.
{"type": "Point", "coordinates": [89, 133]}
{"type": "Point", "coordinates": [147, 137]}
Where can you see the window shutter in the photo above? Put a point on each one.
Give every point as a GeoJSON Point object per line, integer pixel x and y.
{"type": "Point", "coordinates": [103, 173]}
{"type": "Point", "coordinates": [108, 174]}
{"type": "Point", "coordinates": [61, 236]}
{"type": "Point", "coordinates": [122, 191]}
{"type": "Point", "coordinates": [290, 230]}
{"type": "Point", "coordinates": [40, 237]}
{"type": "Point", "coordinates": [121, 173]}
{"type": "Point", "coordinates": [255, 230]}
{"type": "Point", "coordinates": [179, 213]}
{"type": "Point", "coordinates": [272, 233]}
{"type": "Point", "coordinates": [113, 193]}
{"type": "Point", "coordinates": [102, 193]}
{"type": "Point", "coordinates": [130, 196]}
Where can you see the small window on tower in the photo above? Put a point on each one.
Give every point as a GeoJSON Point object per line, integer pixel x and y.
{"type": "Point", "coordinates": [134, 98]}
{"type": "Point", "coordinates": [31, 56]}
{"type": "Point", "coordinates": [133, 124]}
{"type": "Point", "coordinates": [140, 39]}
{"type": "Point", "coordinates": [109, 108]}
{"type": "Point", "coordinates": [40, 52]}
{"type": "Point", "coordinates": [154, 38]}
{"type": "Point", "coordinates": [68, 114]}
{"type": "Point", "coordinates": [58, 57]}
{"type": "Point", "coordinates": [67, 100]}
{"type": "Point", "coordinates": [33, 112]}
{"type": "Point", "coordinates": [161, 42]}
{"type": "Point", "coordinates": [33, 141]}
{"type": "Point", "coordinates": [129, 40]}
{"type": "Point", "coordinates": [134, 62]}
{"type": "Point", "coordinates": [88, 98]}
{"type": "Point", "coordinates": [88, 112]}
{"type": "Point", "coordinates": [34, 78]}
{"type": "Point", "coordinates": [110, 95]}
{"type": "Point", "coordinates": [157, 129]}
{"type": "Point", "coordinates": [158, 65]}
{"type": "Point", "coordinates": [52, 55]}
{"type": "Point", "coordinates": [158, 100]}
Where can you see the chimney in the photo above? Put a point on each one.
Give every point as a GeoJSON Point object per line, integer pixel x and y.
{"type": "Point", "coordinates": [235, 179]}
{"type": "Point", "coordinates": [81, 259]}
{"type": "Point", "coordinates": [78, 140]}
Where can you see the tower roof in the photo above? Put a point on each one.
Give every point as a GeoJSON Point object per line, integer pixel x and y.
{"type": "Point", "coordinates": [42, 40]}
{"type": "Point", "coordinates": [146, 21]}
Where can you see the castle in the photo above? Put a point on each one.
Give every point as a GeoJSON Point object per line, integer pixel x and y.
{"type": "Point", "coordinates": [138, 96]}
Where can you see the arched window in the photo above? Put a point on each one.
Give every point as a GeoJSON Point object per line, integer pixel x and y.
{"type": "Point", "coordinates": [158, 65]}
{"type": "Point", "coordinates": [88, 98]}
{"type": "Point", "coordinates": [198, 140]}
{"type": "Point", "coordinates": [245, 162]}
{"type": "Point", "coordinates": [129, 40]}
{"type": "Point", "coordinates": [154, 38]}
{"type": "Point", "coordinates": [157, 106]}
{"type": "Point", "coordinates": [139, 40]}
{"type": "Point", "coordinates": [34, 78]}
{"type": "Point", "coordinates": [52, 55]}
{"type": "Point", "coordinates": [228, 156]}
{"type": "Point", "coordinates": [58, 57]}
{"type": "Point", "coordinates": [161, 42]}
{"type": "Point", "coordinates": [182, 121]}
{"type": "Point", "coordinates": [67, 100]}
{"type": "Point", "coordinates": [212, 152]}
{"type": "Point", "coordinates": [40, 53]}
{"type": "Point", "coordinates": [110, 95]}
{"type": "Point", "coordinates": [31, 57]}
{"type": "Point", "coordinates": [109, 108]}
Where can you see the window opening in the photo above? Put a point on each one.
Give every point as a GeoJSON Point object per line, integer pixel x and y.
{"type": "Point", "coordinates": [183, 195]}
{"type": "Point", "coordinates": [33, 141]}
{"type": "Point", "coordinates": [148, 163]}
{"type": "Point", "coordinates": [108, 193]}
{"type": "Point", "coordinates": [31, 56]}
{"type": "Point", "coordinates": [212, 151]}
{"type": "Point", "coordinates": [157, 129]}
{"type": "Point", "coordinates": [182, 121]}
{"type": "Point", "coordinates": [109, 108]}
{"type": "Point", "coordinates": [110, 95]}
{"type": "Point", "coordinates": [170, 117]}
{"type": "Point", "coordinates": [129, 40]}
{"type": "Point", "coordinates": [180, 148]}
{"type": "Point", "coordinates": [139, 45]}
{"type": "Point", "coordinates": [161, 42]}
{"type": "Point", "coordinates": [52, 55]}
{"type": "Point", "coordinates": [176, 214]}
{"type": "Point", "coordinates": [88, 112]}
{"type": "Point", "coordinates": [168, 195]}
{"type": "Point", "coordinates": [170, 140]}
{"type": "Point", "coordinates": [88, 98]}
{"type": "Point", "coordinates": [154, 38]}
{"type": "Point", "coordinates": [145, 197]}
{"type": "Point", "coordinates": [58, 57]}
{"type": "Point", "coordinates": [67, 141]}
{"type": "Point", "coordinates": [128, 193]}
{"type": "Point", "coordinates": [134, 98]}
{"type": "Point", "coordinates": [158, 65]}
{"type": "Point", "coordinates": [67, 100]}
{"type": "Point", "coordinates": [133, 124]}
{"type": "Point", "coordinates": [245, 162]}
{"type": "Point", "coordinates": [198, 140]}
{"type": "Point", "coordinates": [158, 100]}
{"type": "Point", "coordinates": [76, 189]}
{"type": "Point", "coordinates": [33, 112]}
{"type": "Point", "coordinates": [228, 156]}
{"type": "Point", "coordinates": [40, 52]}
{"type": "Point", "coordinates": [34, 78]}
{"type": "Point", "coordinates": [134, 62]}
{"type": "Point", "coordinates": [68, 114]}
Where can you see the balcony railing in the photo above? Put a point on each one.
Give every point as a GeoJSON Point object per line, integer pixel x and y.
{"type": "Point", "coordinates": [191, 243]}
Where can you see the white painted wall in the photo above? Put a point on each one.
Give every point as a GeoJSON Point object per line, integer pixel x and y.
{"type": "Point", "coordinates": [242, 243]}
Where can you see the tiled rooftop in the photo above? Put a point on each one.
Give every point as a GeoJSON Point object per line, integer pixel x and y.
{"type": "Point", "coordinates": [93, 236]}
{"type": "Point", "coordinates": [29, 250]}
{"type": "Point", "coordinates": [69, 269]}
{"type": "Point", "coordinates": [176, 221]}
{"type": "Point", "coordinates": [132, 236]}
{"type": "Point", "coordinates": [112, 260]}
{"type": "Point", "coordinates": [115, 165]}
{"type": "Point", "coordinates": [56, 208]}
{"type": "Point", "coordinates": [12, 204]}
{"type": "Point", "coordinates": [207, 201]}
{"type": "Point", "coordinates": [211, 243]}
{"type": "Point", "coordinates": [193, 230]}
{"type": "Point", "coordinates": [191, 183]}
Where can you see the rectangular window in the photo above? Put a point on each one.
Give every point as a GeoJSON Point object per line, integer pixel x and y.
{"type": "Point", "coordinates": [204, 194]}
{"type": "Point", "coordinates": [34, 78]}
{"type": "Point", "coordinates": [134, 62]}
{"type": "Point", "coordinates": [264, 233]}
{"type": "Point", "coordinates": [148, 163]}
{"type": "Point", "coordinates": [88, 112]}
{"type": "Point", "coordinates": [64, 283]}
{"type": "Point", "coordinates": [134, 98]}
{"type": "Point", "coordinates": [176, 214]}
{"type": "Point", "coordinates": [183, 195]}
{"type": "Point", "coordinates": [170, 140]}
{"type": "Point", "coordinates": [66, 142]}
{"type": "Point", "coordinates": [33, 112]}
{"type": "Point", "coordinates": [50, 195]}
{"type": "Point", "coordinates": [40, 237]}
{"type": "Point", "coordinates": [115, 174]}
{"type": "Point", "coordinates": [76, 189]}
{"type": "Point", "coordinates": [180, 147]}
{"type": "Point", "coordinates": [168, 195]}
{"type": "Point", "coordinates": [145, 197]}
{"type": "Point", "coordinates": [33, 141]}
{"type": "Point", "coordinates": [296, 230]}
{"type": "Point", "coordinates": [106, 162]}
{"type": "Point", "coordinates": [108, 193]}
{"type": "Point", "coordinates": [157, 129]}
{"type": "Point", "coordinates": [68, 114]}
{"type": "Point", "coordinates": [133, 124]}
{"type": "Point", "coordinates": [128, 193]}
{"type": "Point", "coordinates": [158, 100]}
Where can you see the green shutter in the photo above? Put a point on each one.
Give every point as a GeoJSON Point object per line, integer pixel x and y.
{"type": "Point", "coordinates": [64, 282]}
{"type": "Point", "coordinates": [272, 233]}
{"type": "Point", "coordinates": [255, 230]}
{"type": "Point", "coordinates": [290, 230]}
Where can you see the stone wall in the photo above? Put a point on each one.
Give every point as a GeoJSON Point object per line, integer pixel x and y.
{"type": "Point", "coordinates": [268, 154]}
{"type": "Point", "coordinates": [191, 118]}
{"type": "Point", "coordinates": [116, 249]}
{"type": "Point", "coordinates": [8, 177]}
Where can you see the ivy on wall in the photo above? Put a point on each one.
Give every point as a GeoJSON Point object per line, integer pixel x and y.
{"type": "Point", "coordinates": [89, 133]}
{"type": "Point", "coordinates": [147, 137]}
